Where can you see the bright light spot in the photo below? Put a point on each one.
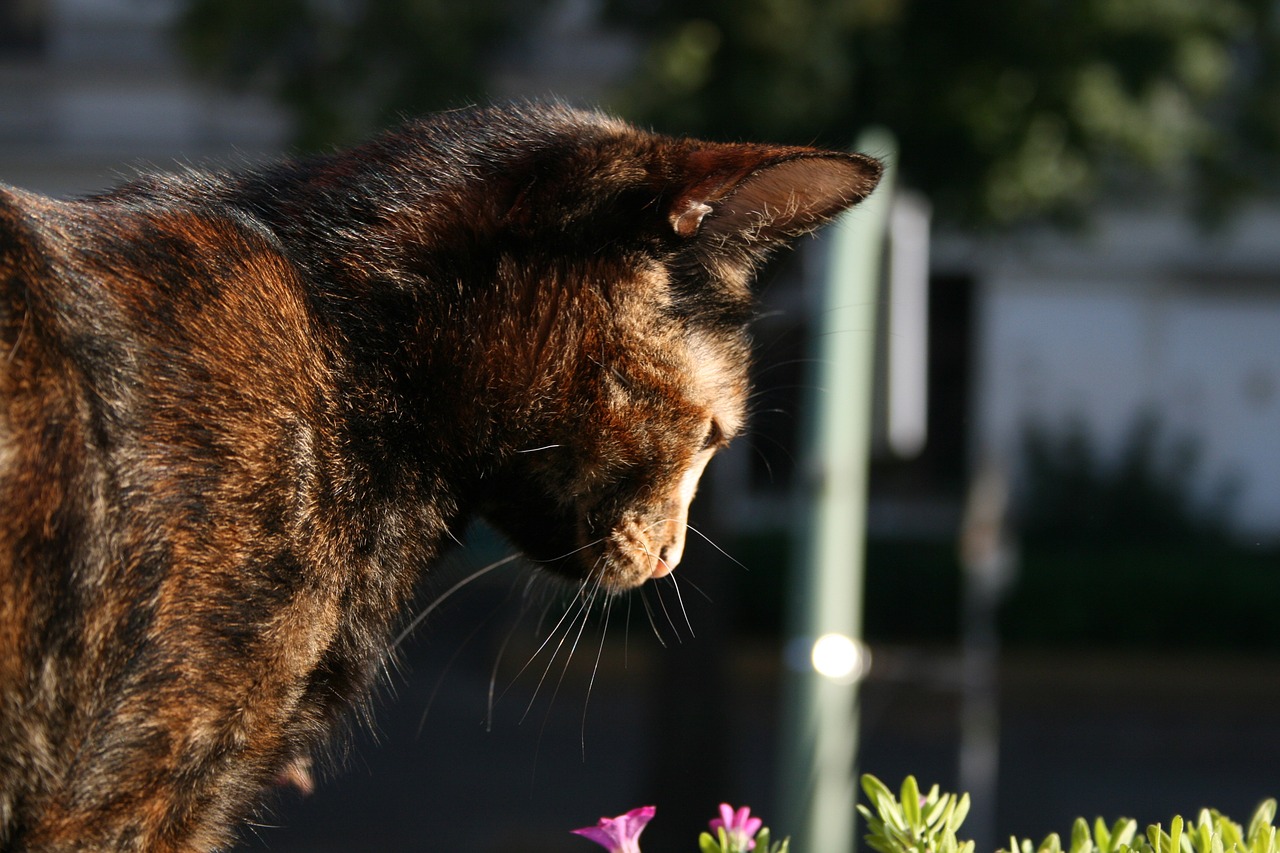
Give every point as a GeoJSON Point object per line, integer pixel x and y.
{"type": "Point", "coordinates": [839, 658]}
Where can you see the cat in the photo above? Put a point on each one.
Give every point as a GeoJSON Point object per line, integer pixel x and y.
{"type": "Point", "coordinates": [241, 414]}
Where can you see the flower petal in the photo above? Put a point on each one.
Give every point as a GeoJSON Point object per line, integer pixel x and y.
{"type": "Point", "coordinates": [619, 834]}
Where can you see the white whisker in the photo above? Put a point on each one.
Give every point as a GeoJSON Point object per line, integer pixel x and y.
{"type": "Point", "coordinates": [581, 610]}
{"type": "Point", "coordinates": [525, 604]}
{"type": "Point", "coordinates": [604, 632]}
{"type": "Point", "coordinates": [626, 636]}
{"type": "Point", "coordinates": [422, 721]}
{"type": "Point", "coordinates": [698, 589]}
{"type": "Point", "coordinates": [717, 547]}
{"type": "Point", "coordinates": [648, 610]}
{"type": "Point", "coordinates": [550, 636]}
{"type": "Point", "coordinates": [680, 600]}
{"type": "Point", "coordinates": [657, 591]}
{"type": "Point", "coordinates": [440, 599]}
{"type": "Point", "coordinates": [574, 551]}
{"type": "Point", "coordinates": [536, 449]}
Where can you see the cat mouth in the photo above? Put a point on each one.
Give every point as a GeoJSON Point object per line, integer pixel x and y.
{"type": "Point", "coordinates": [637, 551]}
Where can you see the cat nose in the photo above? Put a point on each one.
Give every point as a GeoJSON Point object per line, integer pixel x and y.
{"type": "Point", "coordinates": [669, 557]}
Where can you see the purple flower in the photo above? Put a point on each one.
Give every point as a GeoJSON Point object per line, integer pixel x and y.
{"type": "Point", "coordinates": [740, 827]}
{"type": "Point", "coordinates": [619, 834]}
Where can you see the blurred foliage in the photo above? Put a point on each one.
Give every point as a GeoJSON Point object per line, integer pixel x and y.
{"type": "Point", "coordinates": [1073, 493]}
{"type": "Point", "coordinates": [912, 823]}
{"type": "Point", "coordinates": [343, 67]}
{"type": "Point", "coordinates": [1006, 109]}
{"type": "Point", "coordinates": [1153, 595]}
{"type": "Point", "coordinates": [1101, 533]}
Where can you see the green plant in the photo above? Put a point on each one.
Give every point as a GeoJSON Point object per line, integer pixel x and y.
{"type": "Point", "coordinates": [911, 823]}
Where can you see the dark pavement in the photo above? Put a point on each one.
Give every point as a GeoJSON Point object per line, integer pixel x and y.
{"type": "Point", "coordinates": [1085, 733]}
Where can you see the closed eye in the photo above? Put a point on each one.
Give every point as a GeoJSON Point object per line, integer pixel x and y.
{"type": "Point", "coordinates": [715, 436]}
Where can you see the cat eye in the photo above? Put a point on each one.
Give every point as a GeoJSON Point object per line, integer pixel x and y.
{"type": "Point", "coordinates": [715, 436]}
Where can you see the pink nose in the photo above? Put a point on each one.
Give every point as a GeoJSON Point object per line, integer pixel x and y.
{"type": "Point", "coordinates": [663, 567]}
{"type": "Point", "coordinates": [669, 557]}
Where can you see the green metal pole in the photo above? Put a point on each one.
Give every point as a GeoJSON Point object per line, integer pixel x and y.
{"type": "Point", "coordinates": [824, 651]}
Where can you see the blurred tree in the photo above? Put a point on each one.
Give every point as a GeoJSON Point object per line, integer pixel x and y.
{"type": "Point", "coordinates": [1006, 109]}
{"type": "Point", "coordinates": [344, 66]}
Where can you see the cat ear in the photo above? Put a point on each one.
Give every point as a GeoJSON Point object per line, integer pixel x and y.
{"type": "Point", "coordinates": [765, 195]}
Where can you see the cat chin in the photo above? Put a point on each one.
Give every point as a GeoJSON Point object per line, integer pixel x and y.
{"type": "Point", "coordinates": [597, 568]}
{"type": "Point", "coordinates": [620, 561]}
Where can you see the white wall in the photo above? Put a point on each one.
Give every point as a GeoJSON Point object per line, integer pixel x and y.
{"type": "Point", "coordinates": [1203, 355]}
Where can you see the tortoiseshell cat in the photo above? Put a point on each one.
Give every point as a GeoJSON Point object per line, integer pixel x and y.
{"type": "Point", "coordinates": [239, 416]}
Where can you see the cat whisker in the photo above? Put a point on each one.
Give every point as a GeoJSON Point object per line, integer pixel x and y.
{"type": "Point", "coordinates": [710, 542]}
{"type": "Point", "coordinates": [774, 365]}
{"type": "Point", "coordinates": [698, 589]}
{"type": "Point", "coordinates": [584, 612]}
{"type": "Point", "coordinates": [586, 616]}
{"type": "Point", "coordinates": [626, 636]}
{"type": "Point", "coordinates": [772, 389]}
{"type": "Point", "coordinates": [604, 632]}
{"type": "Point", "coordinates": [777, 410]}
{"type": "Point", "coordinates": [550, 636]}
{"type": "Point", "coordinates": [536, 449]}
{"type": "Point", "coordinates": [590, 544]}
{"type": "Point", "coordinates": [493, 673]}
{"type": "Point", "coordinates": [657, 591]}
{"type": "Point", "coordinates": [17, 341]}
{"type": "Point", "coordinates": [422, 721]}
{"type": "Point", "coordinates": [440, 599]}
{"type": "Point", "coordinates": [644, 599]}
{"type": "Point", "coordinates": [582, 609]}
{"type": "Point", "coordinates": [675, 584]}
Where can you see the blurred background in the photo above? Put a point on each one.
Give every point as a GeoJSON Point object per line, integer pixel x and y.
{"type": "Point", "coordinates": [1072, 560]}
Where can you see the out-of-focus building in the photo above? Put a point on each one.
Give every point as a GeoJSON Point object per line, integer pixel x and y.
{"type": "Point", "coordinates": [1146, 314]}
{"type": "Point", "coordinates": [92, 90]}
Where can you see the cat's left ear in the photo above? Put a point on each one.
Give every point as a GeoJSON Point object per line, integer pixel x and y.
{"type": "Point", "coordinates": [765, 195]}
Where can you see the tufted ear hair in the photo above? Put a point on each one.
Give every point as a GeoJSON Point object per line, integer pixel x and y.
{"type": "Point", "coordinates": [757, 194]}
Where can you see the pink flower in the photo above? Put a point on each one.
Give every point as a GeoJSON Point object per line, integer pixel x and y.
{"type": "Point", "coordinates": [740, 827]}
{"type": "Point", "coordinates": [619, 834]}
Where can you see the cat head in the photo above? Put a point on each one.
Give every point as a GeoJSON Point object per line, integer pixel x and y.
{"type": "Point", "coordinates": [627, 286]}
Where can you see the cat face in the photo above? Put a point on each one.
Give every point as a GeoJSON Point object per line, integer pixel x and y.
{"type": "Point", "coordinates": [650, 377]}
{"type": "Point", "coordinates": [603, 496]}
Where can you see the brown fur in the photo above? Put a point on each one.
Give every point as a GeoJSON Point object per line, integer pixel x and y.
{"type": "Point", "coordinates": [240, 415]}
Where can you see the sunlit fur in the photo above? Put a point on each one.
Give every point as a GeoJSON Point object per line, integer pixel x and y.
{"type": "Point", "coordinates": [240, 415]}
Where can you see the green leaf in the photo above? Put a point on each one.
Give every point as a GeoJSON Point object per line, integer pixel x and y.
{"type": "Point", "coordinates": [1101, 836]}
{"type": "Point", "coordinates": [891, 813]}
{"type": "Point", "coordinates": [1081, 840]}
{"type": "Point", "coordinates": [1158, 838]}
{"type": "Point", "coordinates": [960, 813]}
{"type": "Point", "coordinates": [910, 800]}
{"type": "Point", "coordinates": [707, 844]}
{"type": "Point", "coordinates": [1122, 833]}
{"type": "Point", "coordinates": [1261, 820]}
{"type": "Point", "coordinates": [936, 809]}
{"type": "Point", "coordinates": [875, 788]}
